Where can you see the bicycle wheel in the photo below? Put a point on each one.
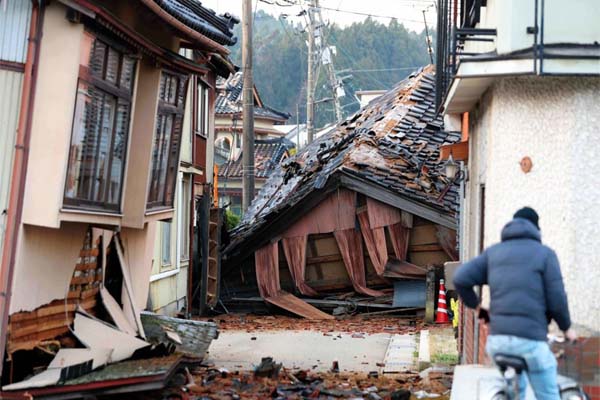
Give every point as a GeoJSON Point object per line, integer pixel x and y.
{"type": "Point", "coordinates": [572, 394]}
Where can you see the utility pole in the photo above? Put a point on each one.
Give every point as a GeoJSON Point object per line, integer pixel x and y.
{"type": "Point", "coordinates": [327, 59]}
{"type": "Point", "coordinates": [319, 52]}
{"type": "Point", "coordinates": [310, 82]}
{"type": "Point", "coordinates": [248, 112]}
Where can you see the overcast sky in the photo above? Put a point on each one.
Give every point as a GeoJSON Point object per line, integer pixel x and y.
{"type": "Point", "coordinates": [407, 12]}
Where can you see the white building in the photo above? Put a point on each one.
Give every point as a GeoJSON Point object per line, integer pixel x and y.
{"type": "Point", "coordinates": [523, 81]}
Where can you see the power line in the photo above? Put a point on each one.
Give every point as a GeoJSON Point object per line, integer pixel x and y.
{"type": "Point", "coordinates": [384, 69]}
{"type": "Point", "coordinates": [369, 14]}
{"type": "Point", "coordinates": [415, 4]}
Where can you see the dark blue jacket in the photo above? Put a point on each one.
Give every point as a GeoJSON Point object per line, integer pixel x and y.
{"type": "Point", "coordinates": [525, 283]}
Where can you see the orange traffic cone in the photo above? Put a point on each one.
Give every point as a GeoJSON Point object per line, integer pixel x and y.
{"type": "Point", "coordinates": [442, 311]}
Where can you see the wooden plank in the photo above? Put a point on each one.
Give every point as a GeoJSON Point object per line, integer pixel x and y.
{"type": "Point", "coordinates": [425, 247]}
{"type": "Point", "coordinates": [460, 151]}
{"type": "Point", "coordinates": [89, 253]}
{"type": "Point", "coordinates": [423, 234]}
{"type": "Point", "coordinates": [323, 259]}
{"type": "Point", "coordinates": [86, 294]}
{"type": "Point", "coordinates": [407, 219]}
{"type": "Point", "coordinates": [29, 342]}
{"type": "Point", "coordinates": [297, 306]}
{"type": "Point", "coordinates": [55, 307]}
{"type": "Point", "coordinates": [45, 324]}
{"type": "Point", "coordinates": [82, 280]}
{"type": "Point", "coordinates": [86, 266]}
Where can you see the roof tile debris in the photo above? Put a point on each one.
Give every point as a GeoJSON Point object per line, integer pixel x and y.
{"type": "Point", "coordinates": [268, 154]}
{"type": "Point", "coordinates": [229, 100]}
{"type": "Point", "coordinates": [393, 142]}
{"type": "Point", "coordinates": [202, 19]}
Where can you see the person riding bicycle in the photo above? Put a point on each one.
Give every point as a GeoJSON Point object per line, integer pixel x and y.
{"type": "Point", "coordinates": [526, 292]}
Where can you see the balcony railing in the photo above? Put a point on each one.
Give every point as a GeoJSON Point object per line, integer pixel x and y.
{"type": "Point", "coordinates": [459, 39]}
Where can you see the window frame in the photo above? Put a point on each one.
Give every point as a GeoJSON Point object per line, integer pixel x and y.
{"type": "Point", "coordinates": [201, 108]}
{"type": "Point", "coordinates": [183, 222]}
{"type": "Point", "coordinates": [176, 111]}
{"type": "Point", "coordinates": [119, 95]}
{"type": "Point", "coordinates": [166, 238]}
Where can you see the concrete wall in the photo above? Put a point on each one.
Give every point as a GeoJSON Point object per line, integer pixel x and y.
{"type": "Point", "coordinates": [556, 124]}
{"type": "Point", "coordinates": [45, 262]}
{"type": "Point", "coordinates": [52, 118]}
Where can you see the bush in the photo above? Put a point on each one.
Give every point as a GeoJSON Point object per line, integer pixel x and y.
{"type": "Point", "coordinates": [231, 220]}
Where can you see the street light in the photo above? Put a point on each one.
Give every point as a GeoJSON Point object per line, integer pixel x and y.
{"type": "Point", "coordinates": [454, 173]}
{"type": "Point", "coordinates": [452, 168]}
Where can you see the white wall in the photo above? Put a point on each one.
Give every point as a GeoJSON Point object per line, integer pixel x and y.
{"type": "Point", "coordinates": [556, 122]}
{"type": "Point", "coordinates": [573, 21]}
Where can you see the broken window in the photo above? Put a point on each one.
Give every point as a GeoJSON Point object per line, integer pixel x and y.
{"type": "Point", "coordinates": [100, 126]}
{"type": "Point", "coordinates": [167, 138]}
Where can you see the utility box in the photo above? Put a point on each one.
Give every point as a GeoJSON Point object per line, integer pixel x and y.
{"type": "Point", "coordinates": [450, 268]}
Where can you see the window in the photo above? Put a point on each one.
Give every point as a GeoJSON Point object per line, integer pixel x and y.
{"type": "Point", "coordinates": [165, 151]}
{"type": "Point", "coordinates": [100, 126]}
{"type": "Point", "coordinates": [184, 224]}
{"type": "Point", "coordinates": [165, 244]}
{"type": "Point", "coordinates": [223, 149]}
{"type": "Point", "coordinates": [202, 114]}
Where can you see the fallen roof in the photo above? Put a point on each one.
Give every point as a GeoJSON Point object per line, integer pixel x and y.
{"type": "Point", "coordinates": [389, 150]}
{"type": "Point", "coordinates": [268, 154]}
{"type": "Point", "coordinates": [229, 100]}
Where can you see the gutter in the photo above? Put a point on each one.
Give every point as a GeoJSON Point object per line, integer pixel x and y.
{"type": "Point", "coordinates": [165, 16]}
{"type": "Point", "coordinates": [19, 169]}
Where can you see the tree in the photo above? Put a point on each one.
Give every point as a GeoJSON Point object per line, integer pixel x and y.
{"type": "Point", "coordinates": [376, 55]}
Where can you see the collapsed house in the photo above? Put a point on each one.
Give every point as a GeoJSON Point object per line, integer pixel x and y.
{"type": "Point", "coordinates": [108, 92]}
{"type": "Point", "coordinates": [365, 208]}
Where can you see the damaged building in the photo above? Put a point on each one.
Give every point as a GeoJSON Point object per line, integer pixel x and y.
{"type": "Point", "coordinates": [104, 93]}
{"type": "Point", "coordinates": [365, 211]}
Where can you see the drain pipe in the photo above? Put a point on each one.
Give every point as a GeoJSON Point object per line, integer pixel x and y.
{"type": "Point", "coordinates": [19, 169]}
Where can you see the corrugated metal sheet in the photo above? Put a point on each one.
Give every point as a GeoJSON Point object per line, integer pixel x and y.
{"type": "Point", "coordinates": [15, 16]}
{"type": "Point", "coordinates": [10, 99]}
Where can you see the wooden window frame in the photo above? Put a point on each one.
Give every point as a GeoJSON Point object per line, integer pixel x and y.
{"type": "Point", "coordinates": [120, 95]}
{"type": "Point", "coordinates": [166, 108]}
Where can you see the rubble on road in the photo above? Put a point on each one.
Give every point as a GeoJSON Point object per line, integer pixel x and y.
{"type": "Point", "coordinates": [210, 383]}
{"type": "Point", "coordinates": [354, 325]}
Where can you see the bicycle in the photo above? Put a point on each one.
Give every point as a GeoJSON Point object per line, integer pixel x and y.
{"type": "Point", "coordinates": [511, 367]}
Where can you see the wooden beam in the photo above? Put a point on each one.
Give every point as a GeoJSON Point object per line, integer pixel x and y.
{"type": "Point", "coordinates": [397, 200]}
{"type": "Point", "coordinates": [460, 151]}
{"type": "Point", "coordinates": [424, 248]}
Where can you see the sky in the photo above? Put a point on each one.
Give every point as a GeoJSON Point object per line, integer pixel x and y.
{"type": "Point", "coordinates": [343, 12]}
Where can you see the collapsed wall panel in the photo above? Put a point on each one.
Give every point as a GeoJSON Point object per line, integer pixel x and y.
{"type": "Point", "coordinates": [28, 329]}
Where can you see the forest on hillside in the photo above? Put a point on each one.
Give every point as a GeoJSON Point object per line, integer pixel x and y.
{"type": "Point", "coordinates": [374, 55]}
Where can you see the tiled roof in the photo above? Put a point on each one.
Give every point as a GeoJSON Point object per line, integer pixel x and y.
{"type": "Point", "coordinates": [229, 100]}
{"type": "Point", "coordinates": [268, 153]}
{"type": "Point", "coordinates": [392, 143]}
{"type": "Point", "coordinates": [203, 20]}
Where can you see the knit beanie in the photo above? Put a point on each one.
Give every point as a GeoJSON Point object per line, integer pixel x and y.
{"type": "Point", "coordinates": [529, 214]}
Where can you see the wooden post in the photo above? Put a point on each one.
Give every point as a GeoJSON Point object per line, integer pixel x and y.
{"type": "Point", "coordinates": [430, 305]}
